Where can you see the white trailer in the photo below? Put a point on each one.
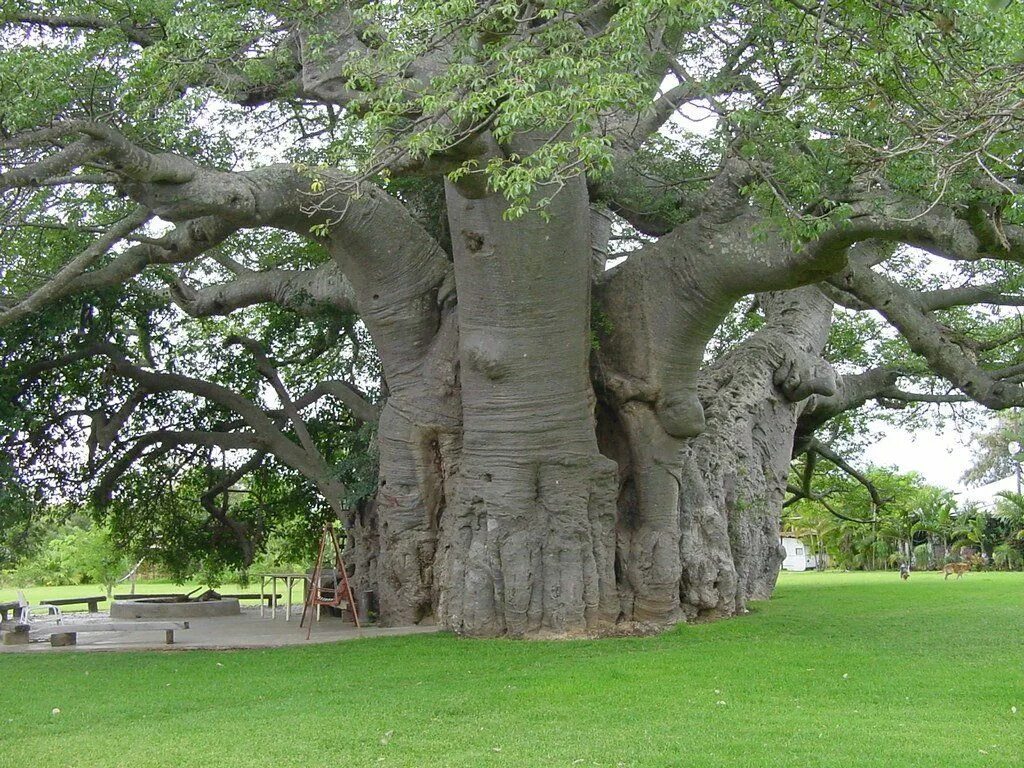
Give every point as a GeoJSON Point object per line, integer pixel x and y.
{"type": "Point", "coordinates": [798, 558]}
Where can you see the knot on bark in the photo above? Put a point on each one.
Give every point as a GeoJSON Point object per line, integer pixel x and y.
{"type": "Point", "coordinates": [801, 375]}
{"type": "Point", "coordinates": [474, 240]}
{"type": "Point", "coordinates": [486, 356]}
{"type": "Point", "coordinates": [680, 414]}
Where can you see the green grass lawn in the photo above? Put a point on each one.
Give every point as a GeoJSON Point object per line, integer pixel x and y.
{"type": "Point", "coordinates": [838, 670]}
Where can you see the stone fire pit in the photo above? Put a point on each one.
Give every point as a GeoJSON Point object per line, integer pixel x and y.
{"type": "Point", "coordinates": [180, 607]}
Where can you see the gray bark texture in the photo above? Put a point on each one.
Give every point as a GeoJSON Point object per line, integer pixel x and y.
{"type": "Point", "coordinates": [538, 478]}
{"type": "Point", "coordinates": [527, 544]}
{"type": "Point", "coordinates": [698, 516]}
{"type": "Point", "coordinates": [735, 472]}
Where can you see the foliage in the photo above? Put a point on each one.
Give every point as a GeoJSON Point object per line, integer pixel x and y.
{"type": "Point", "coordinates": [18, 533]}
{"type": "Point", "coordinates": [153, 505]}
{"type": "Point", "coordinates": [76, 552]}
{"type": "Point", "coordinates": [915, 521]}
{"type": "Point", "coordinates": [992, 458]}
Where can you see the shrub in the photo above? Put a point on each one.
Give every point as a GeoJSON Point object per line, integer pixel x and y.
{"type": "Point", "coordinates": [923, 556]}
{"type": "Point", "coordinates": [1007, 556]}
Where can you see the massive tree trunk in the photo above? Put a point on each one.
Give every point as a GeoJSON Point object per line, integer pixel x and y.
{"type": "Point", "coordinates": [405, 296]}
{"type": "Point", "coordinates": [527, 541]}
{"type": "Point", "coordinates": [512, 499]}
{"type": "Point", "coordinates": [698, 516]}
{"type": "Point", "coordinates": [735, 472]}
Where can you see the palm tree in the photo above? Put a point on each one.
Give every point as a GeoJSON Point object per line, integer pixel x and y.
{"type": "Point", "coordinates": [935, 515]}
{"type": "Point", "coordinates": [1010, 514]}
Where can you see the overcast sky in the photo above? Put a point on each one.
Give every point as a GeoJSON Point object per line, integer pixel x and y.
{"type": "Point", "coordinates": [939, 456]}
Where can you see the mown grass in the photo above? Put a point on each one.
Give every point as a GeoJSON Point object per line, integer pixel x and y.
{"type": "Point", "coordinates": [838, 670]}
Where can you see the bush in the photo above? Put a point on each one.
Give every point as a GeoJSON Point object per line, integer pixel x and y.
{"type": "Point", "coordinates": [75, 556]}
{"type": "Point", "coordinates": [923, 556]}
{"type": "Point", "coordinates": [1007, 556]}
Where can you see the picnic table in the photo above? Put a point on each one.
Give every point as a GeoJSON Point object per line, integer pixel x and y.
{"type": "Point", "coordinates": [289, 580]}
{"type": "Point", "coordinates": [93, 602]}
{"type": "Point", "coordinates": [13, 607]}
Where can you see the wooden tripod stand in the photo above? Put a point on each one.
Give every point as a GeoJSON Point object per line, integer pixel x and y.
{"type": "Point", "coordinates": [335, 596]}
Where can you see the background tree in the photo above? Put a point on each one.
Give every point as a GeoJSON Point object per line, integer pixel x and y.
{"type": "Point", "coordinates": [993, 458]}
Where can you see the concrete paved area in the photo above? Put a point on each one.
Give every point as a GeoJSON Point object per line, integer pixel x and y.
{"type": "Point", "coordinates": [245, 631]}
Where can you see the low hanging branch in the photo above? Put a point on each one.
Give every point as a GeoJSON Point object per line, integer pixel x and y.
{"type": "Point", "coordinates": [61, 283]}
{"type": "Point", "coordinates": [220, 512]}
{"type": "Point", "coordinates": [282, 433]}
{"type": "Point", "coordinates": [818, 498]}
{"type": "Point", "coordinates": [815, 448]}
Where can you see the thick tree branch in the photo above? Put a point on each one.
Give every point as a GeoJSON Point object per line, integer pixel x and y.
{"type": "Point", "coordinates": [264, 433]}
{"type": "Point", "coordinates": [968, 295]}
{"type": "Point", "coordinates": [185, 242]}
{"type": "Point", "coordinates": [966, 234]}
{"type": "Point", "coordinates": [142, 34]}
{"type": "Point", "coordinates": [220, 512]}
{"type": "Point", "coordinates": [269, 372]}
{"type": "Point", "coordinates": [945, 354]}
{"type": "Point", "coordinates": [345, 393]}
{"type": "Point", "coordinates": [304, 291]}
{"type": "Point", "coordinates": [825, 452]}
{"type": "Point", "coordinates": [852, 392]}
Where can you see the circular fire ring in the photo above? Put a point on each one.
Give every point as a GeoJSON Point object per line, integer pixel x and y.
{"type": "Point", "coordinates": [158, 608]}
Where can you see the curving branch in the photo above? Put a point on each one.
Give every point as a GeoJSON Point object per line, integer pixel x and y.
{"type": "Point", "coordinates": [143, 34]}
{"type": "Point", "coordinates": [946, 354]}
{"type": "Point", "coordinates": [306, 292]}
{"type": "Point", "coordinates": [63, 282]}
{"type": "Point", "coordinates": [256, 429]}
{"type": "Point", "coordinates": [220, 512]}
{"type": "Point", "coordinates": [347, 394]}
{"type": "Point", "coordinates": [269, 372]}
{"type": "Point", "coordinates": [353, 219]}
{"type": "Point", "coordinates": [163, 441]}
{"type": "Point", "coordinates": [815, 449]}
{"type": "Point", "coordinates": [959, 234]}
{"type": "Point", "coordinates": [187, 241]}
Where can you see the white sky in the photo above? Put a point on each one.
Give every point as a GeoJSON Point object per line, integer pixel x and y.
{"type": "Point", "coordinates": [939, 456]}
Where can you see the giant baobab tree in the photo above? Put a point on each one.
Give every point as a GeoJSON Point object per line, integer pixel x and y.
{"type": "Point", "coordinates": [540, 213]}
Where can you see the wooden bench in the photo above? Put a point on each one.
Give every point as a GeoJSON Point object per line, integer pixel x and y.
{"type": "Point", "coordinates": [67, 634]}
{"type": "Point", "coordinates": [269, 598]}
{"type": "Point", "coordinates": [92, 602]}
{"type": "Point", "coordinates": [12, 607]}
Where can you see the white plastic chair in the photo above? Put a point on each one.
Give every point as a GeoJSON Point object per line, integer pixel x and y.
{"type": "Point", "coordinates": [26, 610]}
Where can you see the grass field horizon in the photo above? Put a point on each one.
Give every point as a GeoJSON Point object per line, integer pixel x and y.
{"type": "Point", "coordinates": [837, 670]}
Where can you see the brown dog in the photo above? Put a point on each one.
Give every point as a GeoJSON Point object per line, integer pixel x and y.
{"type": "Point", "coordinates": [958, 568]}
